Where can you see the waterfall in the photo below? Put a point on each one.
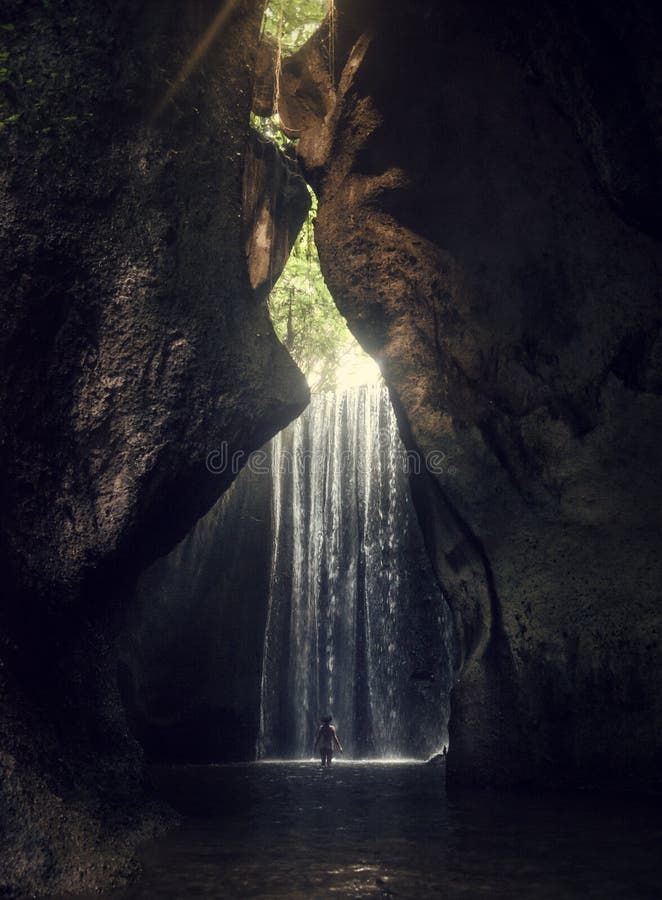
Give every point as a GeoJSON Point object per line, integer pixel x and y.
{"type": "Point", "coordinates": [357, 627]}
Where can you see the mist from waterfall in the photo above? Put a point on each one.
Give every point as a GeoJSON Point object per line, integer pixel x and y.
{"type": "Point", "coordinates": [357, 627]}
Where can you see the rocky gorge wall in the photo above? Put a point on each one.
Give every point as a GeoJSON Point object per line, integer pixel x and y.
{"type": "Point", "coordinates": [488, 223]}
{"type": "Point", "coordinates": [132, 344]}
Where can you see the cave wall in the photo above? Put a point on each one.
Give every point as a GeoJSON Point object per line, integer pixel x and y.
{"type": "Point", "coordinates": [488, 223]}
{"type": "Point", "coordinates": [132, 345]}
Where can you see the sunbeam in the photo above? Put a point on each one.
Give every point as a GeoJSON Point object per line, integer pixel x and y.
{"type": "Point", "coordinates": [197, 55]}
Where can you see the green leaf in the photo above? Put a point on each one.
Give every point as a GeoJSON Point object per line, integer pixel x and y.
{"type": "Point", "coordinates": [10, 120]}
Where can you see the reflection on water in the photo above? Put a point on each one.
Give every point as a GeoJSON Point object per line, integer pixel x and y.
{"type": "Point", "coordinates": [293, 830]}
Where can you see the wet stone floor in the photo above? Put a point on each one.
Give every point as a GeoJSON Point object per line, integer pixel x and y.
{"type": "Point", "coordinates": [293, 830]}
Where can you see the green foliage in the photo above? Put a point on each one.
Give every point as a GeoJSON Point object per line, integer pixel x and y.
{"type": "Point", "coordinates": [292, 22]}
{"type": "Point", "coordinates": [307, 320]}
{"type": "Point", "coordinates": [269, 128]}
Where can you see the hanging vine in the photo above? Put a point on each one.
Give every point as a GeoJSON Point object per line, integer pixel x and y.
{"type": "Point", "coordinates": [289, 25]}
{"type": "Point", "coordinates": [331, 14]}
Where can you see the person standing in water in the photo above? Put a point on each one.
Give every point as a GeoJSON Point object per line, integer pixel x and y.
{"type": "Point", "coordinates": [327, 741]}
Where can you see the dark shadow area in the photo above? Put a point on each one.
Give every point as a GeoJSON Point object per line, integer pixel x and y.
{"type": "Point", "coordinates": [369, 830]}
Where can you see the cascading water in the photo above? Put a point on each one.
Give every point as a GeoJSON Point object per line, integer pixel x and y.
{"type": "Point", "coordinates": [357, 626]}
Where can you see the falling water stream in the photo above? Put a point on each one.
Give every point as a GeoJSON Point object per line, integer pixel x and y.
{"type": "Point", "coordinates": [305, 591]}
{"type": "Point", "coordinates": [357, 627]}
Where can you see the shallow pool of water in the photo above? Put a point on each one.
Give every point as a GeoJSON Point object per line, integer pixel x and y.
{"type": "Point", "coordinates": [293, 830]}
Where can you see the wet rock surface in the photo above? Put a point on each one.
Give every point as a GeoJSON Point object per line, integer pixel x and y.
{"type": "Point", "coordinates": [485, 225]}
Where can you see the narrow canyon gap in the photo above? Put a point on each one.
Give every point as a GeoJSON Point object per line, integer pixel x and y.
{"type": "Point", "coordinates": [489, 182]}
